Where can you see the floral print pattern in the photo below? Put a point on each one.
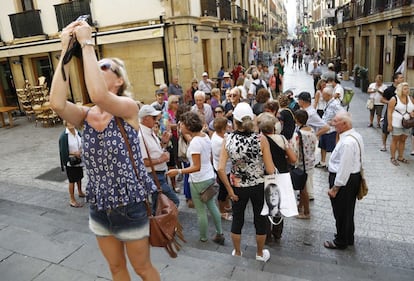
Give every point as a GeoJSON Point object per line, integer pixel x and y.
{"type": "Point", "coordinates": [246, 157]}
{"type": "Point", "coordinates": [112, 179]}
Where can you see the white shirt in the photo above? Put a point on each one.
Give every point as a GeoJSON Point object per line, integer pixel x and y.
{"type": "Point", "coordinates": [216, 146]}
{"type": "Point", "coordinates": [252, 88]}
{"type": "Point", "coordinates": [314, 120]}
{"type": "Point", "coordinates": [205, 86]}
{"type": "Point", "coordinates": [74, 141]}
{"type": "Point", "coordinates": [376, 96]}
{"type": "Point", "coordinates": [345, 159]}
{"type": "Point", "coordinates": [339, 90]}
{"type": "Point", "coordinates": [154, 147]}
{"type": "Point", "coordinates": [202, 146]}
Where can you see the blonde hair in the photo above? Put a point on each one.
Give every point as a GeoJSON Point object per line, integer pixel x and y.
{"type": "Point", "coordinates": [215, 92]}
{"type": "Point", "coordinates": [399, 89]}
{"type": "Point", "coordinates": [171, 99]}
{"type": "Point", "coordinates": [125, 87]}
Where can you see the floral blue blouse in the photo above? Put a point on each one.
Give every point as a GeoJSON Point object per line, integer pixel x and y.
{"type": "Point", "coordinates": [112, 180]}
{"type": "Point", "coordinates": [246, 157]}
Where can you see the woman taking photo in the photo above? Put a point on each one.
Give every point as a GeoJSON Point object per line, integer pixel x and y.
{"type": "Point", "coordinates": [118, 213]}
{"type": "Point", "coordinates": [70, 148]}
{"type": "Point", "coordinates": [250, 155]}
{"type": "Point", "coordinates": [398, 108]}
{"type": "Point", "coordinates": [201, 174]}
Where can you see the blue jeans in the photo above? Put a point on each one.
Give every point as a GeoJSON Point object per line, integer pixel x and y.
{"type": "Point", "coordinates": [166, 189]}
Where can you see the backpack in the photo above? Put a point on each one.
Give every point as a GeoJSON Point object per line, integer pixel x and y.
{"type": "Point", "coordinates": [258, 86]}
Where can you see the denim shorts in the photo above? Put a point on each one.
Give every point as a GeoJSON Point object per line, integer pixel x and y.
{"type": "Point", "coordinates": [125, 223]}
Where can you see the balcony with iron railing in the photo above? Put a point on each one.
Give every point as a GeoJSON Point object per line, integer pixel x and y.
{"type": "Point", "coordinates": [68, 12]}
{"type": "Point", "coordinates": [238, 17]}
{"type": "Point", "coordinates": [208, 8]}
{"type": "Point", "coordinates": [245, 17]}
{"type": "Point", "coordinates": [360, 8]}
{"type": "Point", "coordinates": [225, 10]}
{"type": "Point", "coordinates": [26, 24]}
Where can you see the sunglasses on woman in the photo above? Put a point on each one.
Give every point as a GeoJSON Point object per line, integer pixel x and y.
{"type": "Point", "coordinates": [105, 66]}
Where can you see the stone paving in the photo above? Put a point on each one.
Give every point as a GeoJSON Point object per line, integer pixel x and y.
{"type": "Point", "coordinates": [41, 237]}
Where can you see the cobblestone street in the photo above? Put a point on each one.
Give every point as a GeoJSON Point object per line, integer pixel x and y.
{"type": "Point", "coordinates": [41, 237]}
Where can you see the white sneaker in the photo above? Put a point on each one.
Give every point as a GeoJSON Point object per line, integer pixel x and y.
{"type": "Point", "coordinates": [233, 253]}
{"type": "Point", "coordinates": [265, 257]}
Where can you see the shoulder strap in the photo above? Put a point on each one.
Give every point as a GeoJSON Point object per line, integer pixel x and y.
{"type": "Point", "coordinates": [360, 152]}
{"type": "Point", "coordinates": [301, 148]}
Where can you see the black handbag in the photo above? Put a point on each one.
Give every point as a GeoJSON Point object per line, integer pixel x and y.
{"type": "Point", "coordinates": [74, 160]}
{"type": "Point", "coordinates": [298, 175]}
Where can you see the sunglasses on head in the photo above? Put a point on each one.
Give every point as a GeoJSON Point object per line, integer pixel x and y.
{"type": "Point", "coordinates": [105, 66]}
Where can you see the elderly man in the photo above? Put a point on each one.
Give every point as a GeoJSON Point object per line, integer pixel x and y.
{"type": "Point", "coordinates": [315, 122]}
{"type": "Point", "coordinates": [159, 103]}
{"type": "Point", "coordinates": [205, 85]}
{"type": "Point", "coordinates": [202, 108]}
{"type": "Point", "coordinates": [344, 180]}
{"type": "Point", "coordinates": [327, 141]}
{"type": "Point", "coordinates": [175, 89]}
{"type": "Point", "coordinates": [159, 156]}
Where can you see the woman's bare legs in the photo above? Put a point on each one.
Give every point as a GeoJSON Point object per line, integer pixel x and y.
{"type": "Point", "coordinates": [114, 253]}
{"type": "Point", "coordinates": [138, 253]}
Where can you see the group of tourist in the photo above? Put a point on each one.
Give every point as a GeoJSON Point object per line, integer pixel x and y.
{"type": "Point", "coordinates": [233, 133]}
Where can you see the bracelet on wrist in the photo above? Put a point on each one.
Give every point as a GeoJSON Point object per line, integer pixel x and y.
{"type": "Point", "coordinates": [180, 171]}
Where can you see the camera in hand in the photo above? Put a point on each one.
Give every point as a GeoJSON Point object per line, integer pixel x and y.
{"type": "Point", "coordinates": [74, 48]}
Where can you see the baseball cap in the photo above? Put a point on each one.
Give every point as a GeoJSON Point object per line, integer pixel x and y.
{"type": "Point", "coordinates": [242, 110]}
{"type": "Point", "coordinates": [159, 92]}
{"type": "Point", "coordinates": [204, 74]}
{"type": "Point", "coordinates": [331, 65]}
{"type": "Point", "coordinates": [305, 96]}
{"type": "Point", "coordinates": [148, 110]}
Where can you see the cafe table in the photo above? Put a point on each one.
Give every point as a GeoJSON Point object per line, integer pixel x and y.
{"type": "Point", "coordinates": [8, 110]}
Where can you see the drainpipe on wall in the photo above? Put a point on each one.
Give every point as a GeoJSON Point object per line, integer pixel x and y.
{"type": "Point", "coordinates": [164, 52]}
{"type": "Point", "coordinates": [177, 64]}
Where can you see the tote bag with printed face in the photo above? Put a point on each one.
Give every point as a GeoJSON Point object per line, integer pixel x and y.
{"type": "Point", "coordinates": [279, 196]}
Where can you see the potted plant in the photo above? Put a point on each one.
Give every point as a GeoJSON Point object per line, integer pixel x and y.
{"type": "Point", "coordinates": [357, 81]}
{"type": "Point", "coordinates": [363, 76]}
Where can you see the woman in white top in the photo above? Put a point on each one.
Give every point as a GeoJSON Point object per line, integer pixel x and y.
{"type": "Point", "coordinates": [70, 149]}
{"type": "Point", "coordinates": [201, 174]}
{"type": "Point", "coordinates": [398, 108]}
{"type": "Point", "coordinates": [375, 91]}
{"type": "Point", "coordinates": [319, 103]}
{"type": "Point", "coordinates": [220, 126]}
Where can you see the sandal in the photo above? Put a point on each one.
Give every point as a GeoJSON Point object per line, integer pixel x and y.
{"type": "Point", "coordinates": [403, 160]}
{"type": "Point", "coordinates": [395, 162]}
{"type": "Point", "coordinates": [75, 205]}
{"type": "Point", "coordinates": [332, 245]}
{"type": "Point", "coordinates": [226, 216]}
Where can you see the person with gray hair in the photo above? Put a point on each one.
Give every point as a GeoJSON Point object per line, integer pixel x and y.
{"type": "Point", "coordinates": [202, 108]}
{"type": "Point", "coordinates": [344, 180]}
{"type": "Point", "coordinates": [327, 141]}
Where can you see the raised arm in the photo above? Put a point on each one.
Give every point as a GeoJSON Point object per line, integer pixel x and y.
{"type": "Point", "coordinates": [59, 88]}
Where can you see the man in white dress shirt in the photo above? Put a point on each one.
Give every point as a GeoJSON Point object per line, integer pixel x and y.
{"type": "Point", "coordinates": [344, 180]}
{"type": "Point", "coordinates": [148, 116]}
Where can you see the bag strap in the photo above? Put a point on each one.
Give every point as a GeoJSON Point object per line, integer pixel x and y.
{"type": "Point", "coordinates": [124, 136]}
{"type": "Point", "coordinates": [301, 148]}
{"type": "Point", "coordinates": [360, 152]}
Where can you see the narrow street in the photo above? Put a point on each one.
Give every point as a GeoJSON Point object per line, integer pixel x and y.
{"type": "Point", "coordinates": [42, 238]}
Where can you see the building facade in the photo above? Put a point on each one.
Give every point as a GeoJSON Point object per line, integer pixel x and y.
{"type": "Point", "coordinates": [157, 39]}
